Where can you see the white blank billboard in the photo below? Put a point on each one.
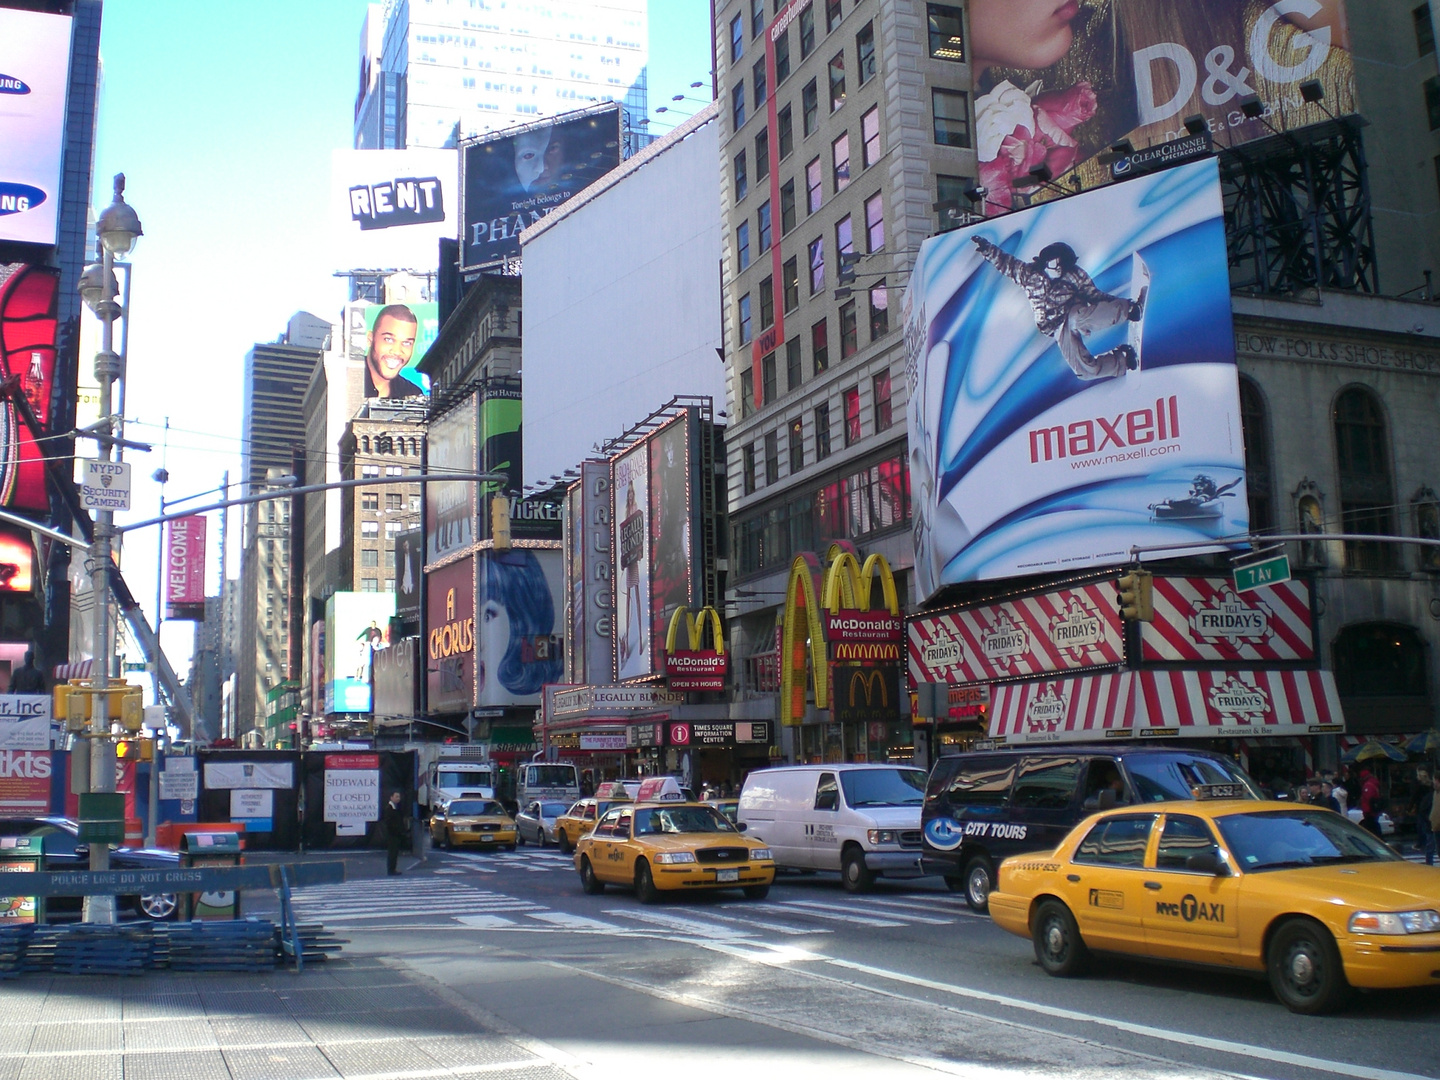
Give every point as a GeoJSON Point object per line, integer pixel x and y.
{"type": "Point", "coordinates": [622, 302]}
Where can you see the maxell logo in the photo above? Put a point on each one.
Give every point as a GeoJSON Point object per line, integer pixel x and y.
{"type": "Point", "coordinates": [1085, 437]}
{"type": "Point", "coordinates": [404, 201]}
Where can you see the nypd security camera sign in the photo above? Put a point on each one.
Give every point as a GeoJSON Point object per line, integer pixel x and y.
{"type": "Point", "coordinates": [105, 485]}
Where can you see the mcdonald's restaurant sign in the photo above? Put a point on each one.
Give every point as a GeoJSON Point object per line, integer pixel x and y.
{"type": "Point", "coordinates": [690, 668]}
{"type": "Point", "coordinates": [853, 652]}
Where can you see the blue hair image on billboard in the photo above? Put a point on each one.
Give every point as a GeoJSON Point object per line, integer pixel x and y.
{"type": "Point", "coordinates": [520, 650]}
{"type": "Point", "coordinates": [1073, 389]}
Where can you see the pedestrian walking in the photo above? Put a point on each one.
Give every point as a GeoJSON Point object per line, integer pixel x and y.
{"type": "Point", "coordinates": [396, 828]}
{"type": "Point", "coordinates": [1369, 802]}
{"type": "Point", "coordinates": [1431, 814]}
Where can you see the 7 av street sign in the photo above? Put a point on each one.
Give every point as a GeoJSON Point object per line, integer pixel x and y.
{"type": "Point", "coordinates": [1257, 575]}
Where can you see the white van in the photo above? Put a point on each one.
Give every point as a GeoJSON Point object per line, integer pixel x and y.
{"type": "Point", "coordinates": [862, 820]}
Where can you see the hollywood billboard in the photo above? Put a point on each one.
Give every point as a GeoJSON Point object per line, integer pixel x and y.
{"type": "Point", "coordinates": [521, 625]}
{"type": "Point", "coordinates": [1073, 389]}
{"type": "Point", "coordinates": [29, 307]}
{"type": "Point", "coordinates": [357, 626]}
{"type": "Point", "coordinates": [34, 78]}
{"type": "Point", "coordinates": [514, 178]}
{"type": "Point", "coordinates": [389, 209]}
{"type": "Point", "coordinates": [1062, 88]}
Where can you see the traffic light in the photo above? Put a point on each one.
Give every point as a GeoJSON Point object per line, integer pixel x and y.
{"type": "Point", "coordinates": [135, 750]}
{"type": "Point", "coordinates": [500, 522]}
{"type": "Point", "coordinates": [1135, 596]}
{"type": "Point", "coordinates": [849, 260]}
{"type": "Point", "coordinates": [124, 704]}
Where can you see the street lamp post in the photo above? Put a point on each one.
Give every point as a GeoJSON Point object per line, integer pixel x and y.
{"type": "Point", "coordinates": [118, 228]}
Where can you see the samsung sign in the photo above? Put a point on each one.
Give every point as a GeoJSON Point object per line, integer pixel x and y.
{"type": "Point", "coordinates": [34, 75]}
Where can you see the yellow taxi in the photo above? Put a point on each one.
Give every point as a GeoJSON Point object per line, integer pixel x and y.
{"type": "Point", "coordinates": [580, 819]}
{"type": "Point", "coordinates": [672, 847]}
{"type": "Point", "coordinates": [1295, 892]}
{"type": "Point", "coordinates": [477, 822]}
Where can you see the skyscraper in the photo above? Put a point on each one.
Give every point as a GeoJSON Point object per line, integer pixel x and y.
{"type": "Point", "coordinates": [434, 73]}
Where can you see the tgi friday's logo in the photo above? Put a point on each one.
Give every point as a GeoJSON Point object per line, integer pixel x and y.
{"type": "Point", "coordinates": [1078, 630]}
{"type": "Point", "coordinates": [1046, 709]}
{"type": "Point", "coordinates": [942, 652]}
{"type": "Point", "coordinates": [1239, 702]}
{"type": "Point", "coordinates": [1230, 618]}
{"type": "Point", "coordinates": [1003, 642]}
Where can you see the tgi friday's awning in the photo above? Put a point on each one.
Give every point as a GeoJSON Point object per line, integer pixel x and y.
{"type": "Point", "coordinates": [1150, 704]}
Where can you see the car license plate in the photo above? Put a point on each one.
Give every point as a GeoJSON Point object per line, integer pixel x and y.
{"type": "Point", "coordinates": [486, 839]}
{"type": "Point", "coordinates": [727, 875]}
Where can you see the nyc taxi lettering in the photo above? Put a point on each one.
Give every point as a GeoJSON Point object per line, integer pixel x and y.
{"type": "Point", "coordinates": [1191, 909]}
{"type": "Point", "coordinates": [615, 855]}
{"type": "Point", "coordinates": [996, 830]}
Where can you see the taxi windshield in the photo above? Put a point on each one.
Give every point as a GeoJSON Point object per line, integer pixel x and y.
{"type": "Point", "coordinates": [681, 819]}
{"type": "Point", "coordinates": [474, 807]}
{"type": "Point", "coordinates": [883, 787]}
{"type": "Point", "coordinates": [1165, 777]}
{"type": "Point", "coordinates": [1284, 839]}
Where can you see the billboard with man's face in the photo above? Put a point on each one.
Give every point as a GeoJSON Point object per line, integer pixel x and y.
{"type": "Point", "coordinates": [1060, 85]}
{"type": "Point", "coordinates": [34, 80]}
{"type": "Point", "coordinates": [513, 179]}
{"type": "Point", "coordinates": [391, 340]}
{"type": "Point", "coordinates": [1073, 383]}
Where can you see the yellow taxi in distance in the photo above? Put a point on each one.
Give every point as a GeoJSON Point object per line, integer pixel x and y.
{"type": "Point", "coordinates": [481, 822]}
{"type": "Point", "coordinates": [580, 819]}
{"type": "Point", "coordinates": [672, 847]}
{"type": "Point", "coordinates": [1296, 892]}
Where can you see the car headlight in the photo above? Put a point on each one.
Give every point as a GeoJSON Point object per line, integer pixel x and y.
{"type": "Point", "coordinates": [761, 853]}
{"type": "Point", "coordinates": [1395, 922]}
{"type": "Point", "coordinates": [666, 857]}
{"type": "Point", "coordinates": [881, 836]}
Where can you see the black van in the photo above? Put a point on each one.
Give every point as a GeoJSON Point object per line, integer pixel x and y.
{"type": "Point", "coordinates": [983, 807]}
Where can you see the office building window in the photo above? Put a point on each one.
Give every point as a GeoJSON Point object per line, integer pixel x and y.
{"type": "Point", "coordinates": [952, 117]}
{"type": "Point", "coordinates": [820, 346]}
{"type": "Point", "coordinates": [394, 470]}
{"type": "Point", "coordinates": [767, 309]}
{"type": "Point", "coordinates": [797, 445]}
{"type": "Point", "coordinates": [758, 73]}
{"type": "Point", "coordinates": [787, 206]}
{"type": "Point", "coordinates": [947, 36]}
{"type": "Point", "coordinates": [879, 311]}
{"type": "Point", "coordinates": [822, 431]}
{"type": "Point", "coordinates": [849, 330]}
{"type": "Point", "coordinates": [870, 137]}
{"type": "Point", "coordinates": [785, 132]}
{"type": "Point", "coordinates": [737, 105]}
{"type": "Point", "coordinates": [881, 386]}
{"type": "Point", "coordinates": [840, 156]}
{"type": "Point", "coordinates": [875, 223]}
{"type": "Point", "coordinates": [390, 558]}
{"type": "Point", "coordinates": [742, 179]}
{"type": "Point", "coordinates": [369, 500]}
{"type": "Point", "coordinates": [844, 238]}
{"type": "Point", "coordinates": [762, 155]}
{"type": "Point", "coordinates": [814, 187]}
{"type": "Point", "coordinates": [851, 399]}
{"type": "Point", "coordinates": [737, 38]}
{"type": "Point", "coordinates": [817, 265]}
{"type": "Point", "coordinates": [744, 319]}
{"type": "Point", "coordinates": [1367, 494]}
{"type": "Point", "coordinates": [807, 31]}
{"type": "Point", "coordinates": [772, 457]}
{"type": "Point", "coordinates": [742, 246]}
{"type": "Point", "coordinates": [832, 14]}
{"type": "Point", "coordinates": [790, 283]}
{"type": "Point", "coordinates": [1424, 30]}
{"type": "Point", "coordinates": [392, 529]}
{"type": "Point", "coordinates": [394, 500]}
{"type": "Point", "coordinates": [792, 365]}
{"type": "Point", "coordinates": [809, 108]}
{"type": "Point", "coordinates": [1432, 102]}
{"type": "Point", "coordinates": [865, 52]}
{"type": "Point", "coordinates": [762, 222]}
{"type": "Point", "coordinates": [369, 584]}
{"type": "Point", "coordinates": [747, 393]}
{"type": "Point", "coordinates": [367, 471]}
{"type": "Point", "coordinates": [782, 57]}
{"type": "Point", "coordinates": [767, 378]}
{"type": "Point", "coordinates": [1254, 426]}
{"type": "Point", "coordinates": [370, 528]}
{"type": "Point", "coordinates": [747, 467]}
{"type": "Point", "coordinates": [369, 557]}
{"type": "Point", "coordinates": [757, 17]}
{"type": "Point", "coordinates": [389, 584]}
{"type": "Point", "coordinates": [837, 81]}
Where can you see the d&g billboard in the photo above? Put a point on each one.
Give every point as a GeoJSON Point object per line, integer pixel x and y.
{"type": "Point", "coordinates": [672, 512]}
{"type": "Point", "coordinates": [1073, 383]}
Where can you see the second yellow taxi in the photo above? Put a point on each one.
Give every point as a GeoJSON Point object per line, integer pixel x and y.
{"type": "Point", "coordinates": [656, 848]}
{"type": "Point", "coordinates": [1294, 892]}
{"type": "Point", "coordinates": [477, 822]}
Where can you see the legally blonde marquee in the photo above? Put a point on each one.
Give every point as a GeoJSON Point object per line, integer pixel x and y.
{"type": "Point", "coordinates": [689, 667]}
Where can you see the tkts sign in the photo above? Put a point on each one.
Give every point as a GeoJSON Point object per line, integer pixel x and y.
{"type": "Point", "coordinates": [694, 669]}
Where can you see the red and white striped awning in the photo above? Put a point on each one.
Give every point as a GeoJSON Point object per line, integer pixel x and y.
{"type": "Point", "coordinates": [78, 670]}
{"type": "Point", "coordinates": [1150, 704]}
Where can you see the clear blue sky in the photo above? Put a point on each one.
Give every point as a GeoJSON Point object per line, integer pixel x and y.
{"type": "Point", "coordinates": [223, 115]}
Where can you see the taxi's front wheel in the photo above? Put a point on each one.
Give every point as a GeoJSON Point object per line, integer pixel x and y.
{"type": "Point", "coordinates": [588, 881]}
{"type": "Point", "coordinates": [1058, 945]}
{"type": "Point", "coordinates": [645, 888]}
{"type": "Point", "coordinates": [1305, 968]}
{"type": "Point", "coordinates": [563, 839]}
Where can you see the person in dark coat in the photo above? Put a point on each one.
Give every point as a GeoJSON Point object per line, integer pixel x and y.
{"type": "Point", "coordinates": [27, 678]}
{"type": "Point", "coordinates": [396, 828]}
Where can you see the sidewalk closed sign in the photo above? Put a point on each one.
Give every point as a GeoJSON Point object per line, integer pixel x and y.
{"type": "Point", "coordinates": [105, 485]}
{"type": "Point", "coordinates": [352, 792]}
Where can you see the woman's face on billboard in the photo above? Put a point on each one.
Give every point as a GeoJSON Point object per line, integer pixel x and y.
{"type": "Point", "coordinates": [1020, 33]}
{"type": "Point", "coordinates": [495, 627]}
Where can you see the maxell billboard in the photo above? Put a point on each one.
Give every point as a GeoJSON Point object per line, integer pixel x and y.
{"type": "Point", "coordinates": [1138, 70]}
{"type": "Point", "coordinates": [34, 78]}
{"type": "Point", "coordinates": [185, 568]}
{"type": "Point", "coordinates": [514, 178]}
{"type": "Point", "coordinates": [390, 208]}
{"type": "Point", "coordinates": [1073, 383]}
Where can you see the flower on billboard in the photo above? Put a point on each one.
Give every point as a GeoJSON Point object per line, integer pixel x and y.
{"type": "Point", "coordinates": [1016, 130]}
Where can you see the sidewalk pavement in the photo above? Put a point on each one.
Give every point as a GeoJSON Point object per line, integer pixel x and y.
{"type": "Point", "coordinates": [356, 1018]}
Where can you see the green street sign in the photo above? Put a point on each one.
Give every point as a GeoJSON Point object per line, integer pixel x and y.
{"type": "Point", "coordinates": [1257, 575]}
{"type": "Point", "coordinates": [132, 666]}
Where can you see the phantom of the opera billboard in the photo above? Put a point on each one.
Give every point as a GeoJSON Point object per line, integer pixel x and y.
{"type": "Point", "coordinates": [513, 179]}
{"type": "Point", "coordinates": [1061, 88]}
{"type": "Point", "coordinates": [34, 79]}
{"type": "Point", "coordinates": [1073, 383]}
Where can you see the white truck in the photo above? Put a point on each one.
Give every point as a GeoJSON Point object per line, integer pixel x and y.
{"type": "Point", "coordinates": [459, 772]}
{"type": "Point", "coordinates": [547, 781]}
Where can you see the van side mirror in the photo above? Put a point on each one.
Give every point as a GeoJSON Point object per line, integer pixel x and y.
{"type": "Point", "coordinates": [741, 826]}
{"type": "Point", "coordinates": [1208, 862]}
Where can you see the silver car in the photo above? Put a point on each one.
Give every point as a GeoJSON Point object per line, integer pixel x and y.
{"type": "Point", "coordinates": [535, 824]}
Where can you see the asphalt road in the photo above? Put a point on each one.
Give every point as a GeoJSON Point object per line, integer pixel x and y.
{"type": "Point", "coordinates": [905, 979]}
